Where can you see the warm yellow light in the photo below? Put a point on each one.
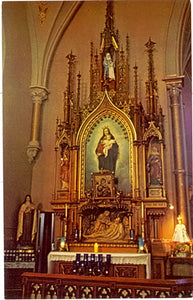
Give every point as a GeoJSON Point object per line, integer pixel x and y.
{"type": "Point", "coordinates": [171, 206]}
{"type": "Point", "coordinates": [62, 242]}
{"type": "Point", "coordinates": [96, 247]}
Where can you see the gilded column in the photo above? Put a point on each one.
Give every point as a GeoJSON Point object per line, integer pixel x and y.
{"type": "Point", "coordinates": [38, 94]}
{"type": "Point", "coordinates": [136, 169]}
{"type": "Point", "coordinates": [74, 170]}
{"type": "Point", "coordinates": [174, 87]}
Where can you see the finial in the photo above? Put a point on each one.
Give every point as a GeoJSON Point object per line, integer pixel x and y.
{"type": "Point", "coordinates": [150, 44]}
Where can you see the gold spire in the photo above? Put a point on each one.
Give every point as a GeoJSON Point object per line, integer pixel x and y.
{"type": "Point", "coordinates": [108, 37]}
{"type": "Point", "coordinates": [151, 84]}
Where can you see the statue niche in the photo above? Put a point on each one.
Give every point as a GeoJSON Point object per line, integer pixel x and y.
{"type": "Point", "coordinates": [64, 167]}
{"type": "Point", "coordinates": [106, 177]}
{"type": "Point", "coordinates": [105, 219]}
{"type": "Point", "coordinates": [154, 164]}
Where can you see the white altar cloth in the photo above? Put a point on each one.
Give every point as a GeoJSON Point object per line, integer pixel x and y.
{"type": "Point", "coordinates": [116, 258]}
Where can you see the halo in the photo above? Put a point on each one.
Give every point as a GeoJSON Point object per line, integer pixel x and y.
{"type": "Point", "coordinates": [106, 127]}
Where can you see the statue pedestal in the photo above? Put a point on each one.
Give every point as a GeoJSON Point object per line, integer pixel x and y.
{"type": "Point", "coordinates": [155, 192]}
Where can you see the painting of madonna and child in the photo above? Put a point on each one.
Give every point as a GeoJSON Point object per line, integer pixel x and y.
{"type": "Point", "coordinates": [107, 149]}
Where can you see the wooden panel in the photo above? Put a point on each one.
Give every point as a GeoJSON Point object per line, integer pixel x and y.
{"type": "Point", "coordinates": [13, 282]}
{"type": "Point", "coordinates": [158, 267]}
{"type": "Point", "coordinates": [63, 267]}
{"type": "Point", "coordinates": [180, 267]}
{"type": "Point", "coordinates": [130, 271]}
{"type": "Point", "coordinates": [116, 270]}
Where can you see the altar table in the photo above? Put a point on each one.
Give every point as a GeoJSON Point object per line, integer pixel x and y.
{"type": "Point", "coordinates": [116, 258]}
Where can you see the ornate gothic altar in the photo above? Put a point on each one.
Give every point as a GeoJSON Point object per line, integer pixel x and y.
{"type": "Point", "coordinates": [109, 154]}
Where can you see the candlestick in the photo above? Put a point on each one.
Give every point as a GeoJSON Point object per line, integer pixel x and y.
{"type": "Point", "coordinates": [78, 257]}
{"type": "Point", "coordinates": [80, 227]}
{"type": "Point", "coordinates": [62, 243]}
{"type": "Point", "coordinates": [132, 234]}
{"type": "Point", "coordinates": [66, 211]}
{"type": "Point", "coordinates": [93, 257]}
{"type": "Point", "coordinates": [142, 209]}
{"type": "Point", "coordinates": [86, 257]}
{"type": "Point", "coordinates": [108, 258]}
{"type": "Point", "coordinates": [100, 257]}
{"type": "Point", "coordinates": [76, 235]}
{"type": "Point", "coordinates": [141, 245]}
{"type": "Point", "coordinates": [142, 220]}
{"type": "Point", "coordinates": [65, 230]}
{"type": "Point", "coordinates": [75, 221]}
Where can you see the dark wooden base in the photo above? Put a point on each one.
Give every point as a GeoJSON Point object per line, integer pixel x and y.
{"type": "Point", "coordinates": [50, 286]}
{"type": "Point", "coordinates": [179, 267]}
{"type": "Point", "coordinates": [115, 270]}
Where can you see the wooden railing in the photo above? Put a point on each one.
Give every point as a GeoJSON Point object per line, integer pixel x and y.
{"type": "Point", "coordinates": [58, 286]}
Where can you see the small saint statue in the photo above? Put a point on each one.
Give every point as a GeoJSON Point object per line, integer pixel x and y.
{"type": "Point", "coordinates": [108, 64]}
{"type": "Point", "coordinates": [27, 224]}
{"type": "Point", "coordinates": [64, 172]}
{"type": "Point", "coordinates": [180, 233]}
{"type": "Point", "coordinates": [154, 167]}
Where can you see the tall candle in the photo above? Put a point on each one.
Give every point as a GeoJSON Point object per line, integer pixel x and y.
{"type": "Point", "coordinates": [66, 210]}
{"type": "Point", "coordinates": [65, 230]}
{"type": "Point", "coordinates": [100, 257]}
{"type": "Point", "coordinates": [93, 257]}
{"type": "Point", "coordinates": [75, 218]}
{"type": "Point", "coordinates": [142, 209]}
{"type": "Point", "coordinates": [108, 258]}
{"type": "Point", "coordinates": [80, 227]}
{"type": "Point", "coordinates": [142, 219]}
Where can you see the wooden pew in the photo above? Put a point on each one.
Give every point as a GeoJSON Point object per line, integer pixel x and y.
{"type": "Point", "coordinates": [59, 286]}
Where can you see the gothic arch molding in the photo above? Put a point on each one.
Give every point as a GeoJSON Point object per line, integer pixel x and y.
{"type": "Point", "coordinates": [174, 40]}
{"type": "Point", "coordinates": [105, 111]}
{"type": "Point", "coordinates": [152, 131]}
{"type": "Point", "coordinates": [45, 37]}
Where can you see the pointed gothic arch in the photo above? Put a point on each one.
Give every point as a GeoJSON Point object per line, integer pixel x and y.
{"type": "Point", "coordinates": [106, 114]}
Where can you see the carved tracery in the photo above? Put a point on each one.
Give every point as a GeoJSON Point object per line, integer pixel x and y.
{"type": "Point", "coordinates": [107, 199]}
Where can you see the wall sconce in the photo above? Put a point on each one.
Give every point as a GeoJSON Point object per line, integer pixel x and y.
{"type": "Point", "coordinates": [170, 206]}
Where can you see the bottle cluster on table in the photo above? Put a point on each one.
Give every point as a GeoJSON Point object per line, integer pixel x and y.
{"type": "Point", "coordinates": [92, 264]}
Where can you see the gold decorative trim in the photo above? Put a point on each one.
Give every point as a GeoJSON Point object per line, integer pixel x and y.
{"type": "Point", "coordinates": [104, 245]}
{"type": "Point", "coordinates": [152, 131]}
{"type": "Point", "coordinates": [156, 204]}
